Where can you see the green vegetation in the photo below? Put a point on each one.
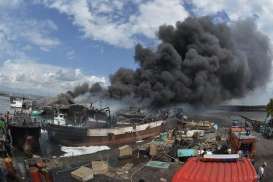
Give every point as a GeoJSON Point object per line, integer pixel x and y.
{"type": "Point", "coordinates": [269, 108]}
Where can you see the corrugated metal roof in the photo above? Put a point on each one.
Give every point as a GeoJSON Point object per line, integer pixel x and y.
{"type": "Point", "coordinates": [195, 170]}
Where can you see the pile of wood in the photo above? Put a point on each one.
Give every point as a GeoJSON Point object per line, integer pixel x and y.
{"type": "Point", "coordinates": [83, 174]}
{"type": "Point", "coordinates": [199, 125]}
{"type": "Point", "coordinates": [125, 151]}
{"type": "Point", "coordinates": [99, 167]}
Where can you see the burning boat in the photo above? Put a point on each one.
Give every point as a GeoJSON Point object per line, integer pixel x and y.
{"type": "Point", "coordinates": [84, 135]}
{"type": "Point", "coordinates": [95, 131]}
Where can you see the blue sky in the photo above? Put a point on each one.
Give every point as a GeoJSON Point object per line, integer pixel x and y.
{"type": "Point", "coordinates": [49, 46]}
{"type": "Point", "coordinates": [71, 48]}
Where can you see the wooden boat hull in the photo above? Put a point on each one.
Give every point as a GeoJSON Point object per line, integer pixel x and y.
{"type": "Point", "coordinates": [83, 136]}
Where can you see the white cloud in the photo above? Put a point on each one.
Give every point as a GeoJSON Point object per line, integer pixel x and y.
{"type": "Point", "coordinates": [7, 38]}
{"type": "Point", "coordinates": [43, 42]}
{"type": "Point", "coordinates": [240, 9]}
{"type": "Point", "coordinates": [9, 3]}
{"type": "Point", "coordinates": [70, 54]}
{"type": "Point", "coordinates": [39, 33]}
{"type": "Point", "coordinates": [27, 47]}
{"type": "Point", "coordinates": [155, 13]}
{"type": "Point", "coordinates": [15, 31]}
{"type": "Point", "coordinates": [34, 77]}
{"type": "Point", "coordinates": [107, 20]}
{"type": "Point", "coordinates": [112, 21]}
{"type": "Point", "coordinates": [5, 43]}
{"type": "Point", "coordinates": [104, 8]}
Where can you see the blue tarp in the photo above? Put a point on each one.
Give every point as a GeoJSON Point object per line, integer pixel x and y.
{"type": "Point", "coordinates": [186, 152]}
{"type": "Point", "coordinates": [164, 136]}
{"type": "Point", "coordinates": [158, 164]}
{"type": "Point", "coordinates": [36, 113]}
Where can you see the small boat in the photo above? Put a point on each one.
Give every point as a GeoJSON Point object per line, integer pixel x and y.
{"type": "Point", "coordinates": [16, 102]}
{"type": "Point", "coordinates": [59, 119]}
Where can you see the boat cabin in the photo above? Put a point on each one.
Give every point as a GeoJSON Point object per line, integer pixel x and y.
{"type": "Point", "coordinates": [59, 119]}
{"type": "Point", "coordinates": [16, 102]}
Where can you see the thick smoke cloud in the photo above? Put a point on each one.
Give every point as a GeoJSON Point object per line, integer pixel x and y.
{"type": "Point", "coordinates": [68, 97]}
{"type": "Point", "coordinates": [197, 62]}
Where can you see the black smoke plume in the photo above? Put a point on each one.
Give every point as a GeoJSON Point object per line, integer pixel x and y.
{"type": "Point", "coordinates": [68, 97]}
{"type": "Point", "coordinates": [197, 62]}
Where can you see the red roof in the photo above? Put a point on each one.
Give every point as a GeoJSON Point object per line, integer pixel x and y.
{"type": "Point", "coordinates": [195, 170]}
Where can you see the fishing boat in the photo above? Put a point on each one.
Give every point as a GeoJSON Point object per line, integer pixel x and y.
{"type": "Point", "coordinates": [83, 135]}
{"type": "Point", "coordinates": [99, 132]}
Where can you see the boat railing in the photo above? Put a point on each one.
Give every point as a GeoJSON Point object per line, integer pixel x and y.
{"type": "Point", "coordinates": [50, 122]}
